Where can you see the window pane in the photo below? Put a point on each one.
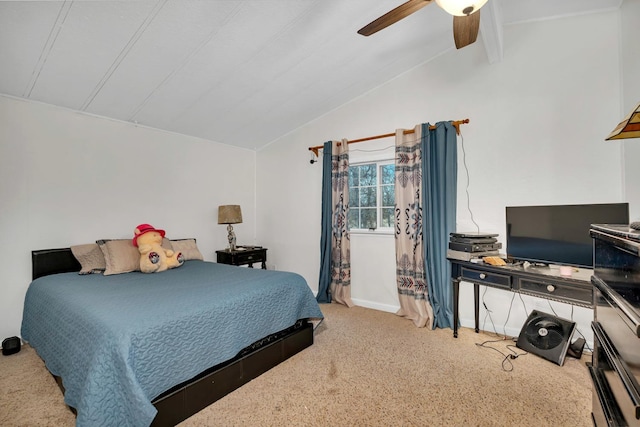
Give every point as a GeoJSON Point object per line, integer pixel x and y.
{"type": "Point", "coordinates": [369, 218]}
{"type": "Point", "coordinates": [388, 217]}
{"type": "Point", "coordinates": [353, 176]}
{"type": "Point", "coordinates": [354, 199]}
{"type": "Point", "coordinates": [353, 218]}
{"type": "Point", "coordinates": [368, 207]}
{"type": "Point", "coordinates": [388, 195]}
{"type": "Point", "coordinates": [368, 197]}
{"type": "Point", "coordinates": [368, 175]}
{"type": "Point", "coordinates": [387, 174]}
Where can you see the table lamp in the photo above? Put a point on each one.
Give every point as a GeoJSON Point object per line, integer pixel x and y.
{"type": "Point", "coordinates": [629, 127]}
{"type": "Point", "coordinates": [230, 214]}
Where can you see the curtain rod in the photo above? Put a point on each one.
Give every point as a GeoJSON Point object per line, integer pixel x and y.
{"type": "Point", "coordinates": [456, 124]}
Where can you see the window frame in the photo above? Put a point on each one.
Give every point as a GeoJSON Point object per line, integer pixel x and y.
{"type": "Point", "coordinates": [379, 199]}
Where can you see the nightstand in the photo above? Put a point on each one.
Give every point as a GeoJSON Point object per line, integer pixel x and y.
{"type": "Point", "coordinates": [243, 255]}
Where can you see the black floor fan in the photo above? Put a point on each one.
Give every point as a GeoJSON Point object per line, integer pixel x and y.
{"type": "Point", "coordinates": [548, 336]}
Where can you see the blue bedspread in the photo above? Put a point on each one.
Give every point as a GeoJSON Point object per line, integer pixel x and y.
{"type": "Point", "coordinates": [119, 341]}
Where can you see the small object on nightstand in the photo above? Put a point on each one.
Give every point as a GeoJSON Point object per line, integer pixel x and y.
{"type": "Point", "coordinates": [243, 255]}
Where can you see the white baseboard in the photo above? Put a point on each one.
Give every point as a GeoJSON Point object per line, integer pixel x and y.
{"type": "Point", "coordinates": [508, 331]}
{"type": "Point", "coordinates": [370, 304]}
{"type": "Point", "coordinates": [376, 305]}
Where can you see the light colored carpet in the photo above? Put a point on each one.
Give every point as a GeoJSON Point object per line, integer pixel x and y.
{"type": "Point", "coordinates": [366, 368]}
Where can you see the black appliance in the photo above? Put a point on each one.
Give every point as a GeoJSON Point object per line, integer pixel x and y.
{"type": "Point", "coordinates": [546, 335]}
{"type": "Point", "coordinates": [615, 370]}
{"type": "Point", "coordinates": [10, 346]}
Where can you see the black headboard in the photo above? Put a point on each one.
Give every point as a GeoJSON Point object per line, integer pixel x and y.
{"type": "Point", "coordinates": [52, 261]}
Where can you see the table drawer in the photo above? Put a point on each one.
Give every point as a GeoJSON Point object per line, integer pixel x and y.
{"type": "Point", "coordinates": [620, 326]}
{"type": "Point", "coordinates": [570, 293]}
{"type": "Point", "coordinates": [245, 258]}
{"type": "Point", "coordinates": [618, 377]}
{"type": "Point", "coordinates": [605, 410]}
{"type": "Point", "coordinates": [480, 277]}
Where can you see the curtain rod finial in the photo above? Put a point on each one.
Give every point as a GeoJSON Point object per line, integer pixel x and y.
{"type": "Point", "coordinates": [457, 124]}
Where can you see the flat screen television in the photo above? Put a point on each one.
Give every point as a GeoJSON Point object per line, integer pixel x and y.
{"type": "Point", "coordinates": [558, 234]}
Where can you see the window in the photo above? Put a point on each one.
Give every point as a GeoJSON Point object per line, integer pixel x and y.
{"type": "Point", "coordinates": [372, 195]}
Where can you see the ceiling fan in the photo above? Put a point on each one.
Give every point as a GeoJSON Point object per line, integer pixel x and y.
{"type": "Point", "coordinates": [466, 18]}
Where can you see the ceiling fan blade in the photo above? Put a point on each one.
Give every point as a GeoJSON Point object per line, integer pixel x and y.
{"type": "Point", "coordinates": [465, 29]}
{"type": "Point", "coordinates": [393, 16]}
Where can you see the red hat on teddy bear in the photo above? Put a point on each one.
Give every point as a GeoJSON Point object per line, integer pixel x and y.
{"type": "Point", "coordinates": [144, 228]}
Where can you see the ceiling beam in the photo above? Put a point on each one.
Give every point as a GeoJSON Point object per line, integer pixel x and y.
{"type": "Point", "coordinates": [491, 31]}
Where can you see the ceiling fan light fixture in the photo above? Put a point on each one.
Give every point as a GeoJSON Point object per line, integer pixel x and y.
{"type": "Point", "coordinates": [461, 7]}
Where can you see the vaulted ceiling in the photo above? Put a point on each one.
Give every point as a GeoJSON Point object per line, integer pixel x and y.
{"type": "Point", "coordinates": [239, 72]}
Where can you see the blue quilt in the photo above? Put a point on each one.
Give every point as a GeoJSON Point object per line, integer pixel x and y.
{"type": "Point", "coordinates": [119, 341]}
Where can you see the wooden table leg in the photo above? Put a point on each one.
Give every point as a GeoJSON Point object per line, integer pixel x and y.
{"type": "Point", "coordinates": [456, 295]}
{"type": "Point", "coordinates": [476, 300]}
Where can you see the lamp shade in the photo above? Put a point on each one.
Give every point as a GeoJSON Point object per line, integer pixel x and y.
{"type": "Point", "coordinates": [229, 214]}
{"type": "Point", "coordinates": [461, 7]}
{"type": "Point", "coordinates": [627, 128]}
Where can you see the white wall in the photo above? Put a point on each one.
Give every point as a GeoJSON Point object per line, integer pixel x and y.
{"type": "Point", "coordinates": [69, 178]}
{"type": "Point", "coordinates": [629, 36]}
{"type": "Point", "coordinates": [536, 136]}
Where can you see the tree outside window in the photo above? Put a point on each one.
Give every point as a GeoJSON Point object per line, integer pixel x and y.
{"type": "Point", "coordinates": [371, 195]}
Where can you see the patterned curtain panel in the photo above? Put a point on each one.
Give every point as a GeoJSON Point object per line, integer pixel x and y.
{"type": "Point", "coordinates": [410, 272]}
{"type": "Point", "coordinates": [340, 244]}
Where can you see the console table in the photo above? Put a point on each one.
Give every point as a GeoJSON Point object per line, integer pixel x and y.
{"type": "Point", "coordinates": [543, 282]}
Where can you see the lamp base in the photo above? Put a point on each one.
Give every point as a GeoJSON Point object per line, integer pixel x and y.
{"type": "Point", "coordinates": [231, 237]}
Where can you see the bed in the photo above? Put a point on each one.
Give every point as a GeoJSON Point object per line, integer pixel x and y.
{"type": "Point", "coordinates": [153, 349]}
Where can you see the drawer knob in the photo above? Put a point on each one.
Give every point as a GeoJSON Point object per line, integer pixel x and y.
{"type": "Point", "coordinates": [551, 288]}
{"type": "Point", "coordinates": [250, 257]}
{"type": "Point", "coordinates": [483, 276]}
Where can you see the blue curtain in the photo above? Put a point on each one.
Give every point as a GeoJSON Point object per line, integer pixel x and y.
{"type": "Point", "coordinates": [324, 293]}
{"type": "Point", "coordinates": [439, 186]}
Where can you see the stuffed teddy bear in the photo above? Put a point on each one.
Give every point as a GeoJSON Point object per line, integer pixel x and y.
{"type": "Point", "coordinates": [153, 257]}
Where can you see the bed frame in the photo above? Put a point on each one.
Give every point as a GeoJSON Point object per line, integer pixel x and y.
{"type": "Point", "coordinates": [190, 397]}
